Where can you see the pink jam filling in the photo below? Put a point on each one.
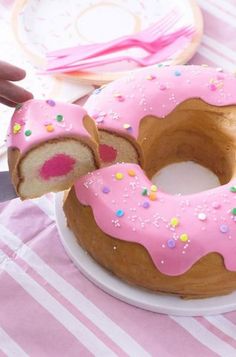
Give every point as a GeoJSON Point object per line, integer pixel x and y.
{"type": "Point", "coordinates": [107, 153]}
{"type": "Point", "coordinates": [58, 165]}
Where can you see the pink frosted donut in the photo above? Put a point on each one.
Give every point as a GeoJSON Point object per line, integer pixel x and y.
{"type": "Point", "coordinates": [179, 244]}
{"type": "Point", "coordinates": [120, 108]}
{"type": "Point", "coordinates": [49, 145]}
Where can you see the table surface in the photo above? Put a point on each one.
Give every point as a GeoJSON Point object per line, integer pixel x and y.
{"type": "Point", "coordinates": [48, 308]}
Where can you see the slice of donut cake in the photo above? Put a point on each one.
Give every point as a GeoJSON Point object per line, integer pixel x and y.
{"type": "Point", "coordinates": [50, 144]}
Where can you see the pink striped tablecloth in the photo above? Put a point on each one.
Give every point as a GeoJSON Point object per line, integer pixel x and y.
{"type": "Point", "coordinates": [48, 308]}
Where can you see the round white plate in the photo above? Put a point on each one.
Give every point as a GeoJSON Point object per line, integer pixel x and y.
{"type": "Point", "coordinates": [42, 26]}
{"type": "Point", "coordinates": [165, 304]}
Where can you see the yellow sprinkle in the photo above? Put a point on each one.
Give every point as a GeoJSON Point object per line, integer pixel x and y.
{"type": "Point", "coordinates": [131, 173]}
{"type": "Point", "coordinates": [174, 222]}
{"type": "Point", "coordinates": [183, 237]}
{"type": "Point", "coordinates": [153, 188]}
{"type": "Point", "coordinates": [126, 126]}
{"type": "Point", "coordinates": [152, 196]}
{"type": "Point", "coordinates": [119, 176]}
{"type": "Point", "coordinates": [204, 65]}
{"type": "Point", "coordinates": [50, 128]}
{"type": "Point", "coordinates": [16, 128]}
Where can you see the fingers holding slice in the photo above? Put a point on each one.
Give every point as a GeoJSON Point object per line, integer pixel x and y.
{"type": "Point", "coordinates": [13, 93]}
{"type": "Point", "coordinates": [7, 102]}
{"type": "Point", "coordinates": [11, 73]}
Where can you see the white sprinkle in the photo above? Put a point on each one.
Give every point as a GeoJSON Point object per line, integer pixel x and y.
{"type": "Point", "coordinates": [202, 216]}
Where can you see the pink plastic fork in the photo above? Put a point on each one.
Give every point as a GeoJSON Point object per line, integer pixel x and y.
{"type": "Point", "coordinates": [155, 58]}
{"type": "Point", "coordinates": [142, 39]}
{"type": "Point", "coordinates": [155, 45]}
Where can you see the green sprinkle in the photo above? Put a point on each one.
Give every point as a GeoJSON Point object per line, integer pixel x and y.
{"type": "Point", "coordinates": [28, 132]}
{"type": "Point", "coordinates": [144, 192]}
{"type": "Point", "coordinates": [59, 117]}
{"type": "Point", "coordinates": [233, 189]}
{"type": "Point", "coordinates": [233, 211]}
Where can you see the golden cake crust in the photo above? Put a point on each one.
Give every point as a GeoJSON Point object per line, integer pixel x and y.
{"type": "Point", "coordinates": [131, 262]}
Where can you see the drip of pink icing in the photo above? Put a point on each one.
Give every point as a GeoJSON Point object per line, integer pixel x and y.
{"type": "Point", "coordinates": [58, 165]}
{"type": "Point", "coordinates": [176, 230]}
{"type": "Point", "coordinates": [107, 153]}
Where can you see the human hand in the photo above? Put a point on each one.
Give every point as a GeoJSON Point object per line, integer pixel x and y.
{"type": "Point", "coordinates": [11, 94]}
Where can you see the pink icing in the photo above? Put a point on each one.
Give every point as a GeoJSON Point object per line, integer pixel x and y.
{"type": "Point", "coordinates": [107, 153]}
{"type": "Point", "coordinates": [37, 121]}
{"type": "Point", "coordinates": [157, 96]}
{"type": "Point", "coordinates": [207, 221]}
{"type": "Point", "coordinates": [58, 165]}
{"type": "Point", "coordinates": [206, 218]}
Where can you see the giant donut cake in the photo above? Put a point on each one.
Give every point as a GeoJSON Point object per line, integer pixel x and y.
{"type": "Point", "coordinates": [183, 245]}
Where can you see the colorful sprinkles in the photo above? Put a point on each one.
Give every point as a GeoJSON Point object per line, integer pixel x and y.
{"type": "Point", "coordinates": [120, 213]}
{"type": "Point", "coordinates": [174, 222]}
{"type": "Point", "coordinates": [131, 173]}
{"type": "Point", "coordinates": [171, 243]}
{"type": "Point", "coordinates": [105, 189]}
{"type": "Point", "coordinates": [16, 128]}
{"type": "Point", "coordinates": [174, 225]}
{"type": "Point", "coordinates": [202, 216]}
{"type": "Point", "coordinates": [137, 210]}
{"type": "Point", "coordinates": [146, 204]}
{"type": "Point", "coordinates": [177, 73]}
{"type": "Point", "coordinates": [152, 196]}
{"type": "Point", "coordinates": [233, 211]}
{"type": "Point", "coordinates": [153, 188]}
{"type": "Point", "coordinates": [127, 126]}
{"type": "Point", "coordinates": [144, 191]}
{"type": "Point", "coordinates": [28, 132]}
{"type": "Point", "coordinates": [51, 102]}
{"type": "Point", "coordinates": [224, 228]}
{"type": "Point", "coordinates": [119, 176]}
{"type": "Point", "coordinates": [183, 237]}
{"type": "Point", "coordinates": [50, 128]}
{"type": "Point", "coordinates": [59, 118]}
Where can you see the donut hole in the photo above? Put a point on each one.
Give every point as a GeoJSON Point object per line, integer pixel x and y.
{"type": "Point", "coordinates": [185, 178]}
{"type": "Point", "coordinates": [194, 131]}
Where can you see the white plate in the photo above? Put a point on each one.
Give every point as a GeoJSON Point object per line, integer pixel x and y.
{"type": "Point", "coordinates": [42, 26]}
{"type": "Point", "coordinates": [164, 304]}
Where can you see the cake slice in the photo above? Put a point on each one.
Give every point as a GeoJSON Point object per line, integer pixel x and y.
{"type": "Point", "coordinates": [50, 144]}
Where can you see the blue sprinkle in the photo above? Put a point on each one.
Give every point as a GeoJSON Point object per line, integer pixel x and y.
{"type": "Point", "coordinates": [224, 228]}
{"type": "Point", "coordinates": [177, 73]}
{"type": "Point", "coordinates": [171, 243]}
{"type": "Point", "coordinates": [105, 189]}
{"type": "Point", "coordinates": [120, 213]}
